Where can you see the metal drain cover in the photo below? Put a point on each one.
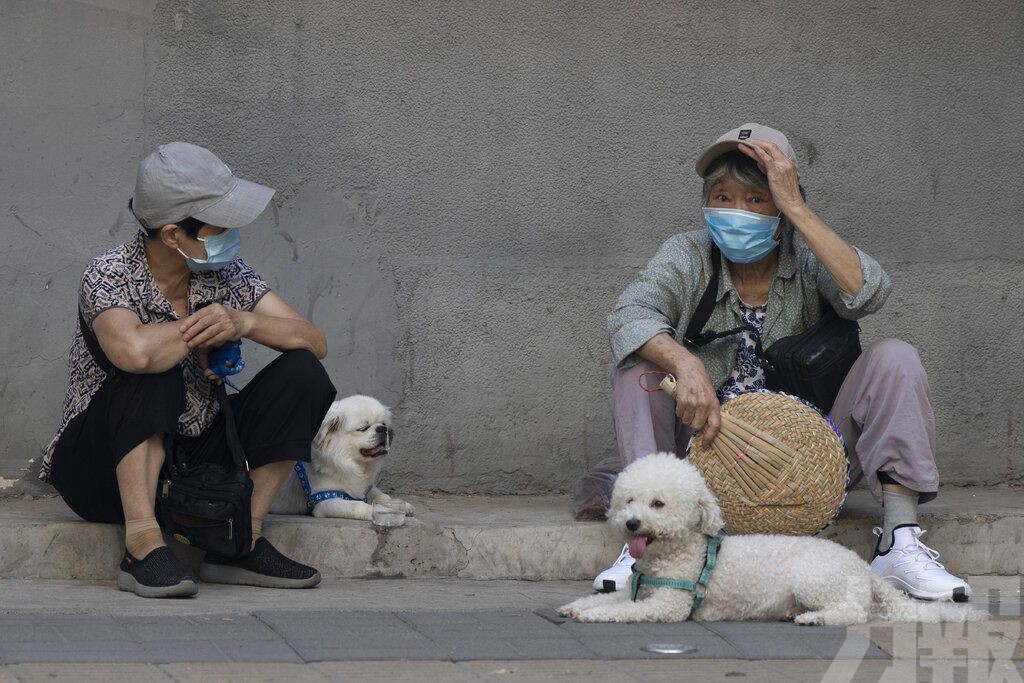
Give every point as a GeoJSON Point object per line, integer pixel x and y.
{"type": "Point", "coordinates": [669, 648]}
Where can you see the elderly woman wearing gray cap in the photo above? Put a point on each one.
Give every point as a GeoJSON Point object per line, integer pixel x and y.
{"type": "Point", "coordinates": [780, 262]}
{"type": "Point", "coordinates": [150, 313]}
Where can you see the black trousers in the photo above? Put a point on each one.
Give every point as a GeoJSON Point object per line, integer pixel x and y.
{"type": "Point", "coordinates": [277, 414]}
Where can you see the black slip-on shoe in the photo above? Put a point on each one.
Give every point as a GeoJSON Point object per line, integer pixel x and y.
{"type": "Point", "coordinates": [158, 575]}
{"type": "Point", "coordinates": [265, 567]}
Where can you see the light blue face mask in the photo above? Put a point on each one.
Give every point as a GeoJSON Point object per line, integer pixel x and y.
{"type": "Point", "coordinates": [743, 236]}
{"type": "Point", "coordinates": [221, 250]}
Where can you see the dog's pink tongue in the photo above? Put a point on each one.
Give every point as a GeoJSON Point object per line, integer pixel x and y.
{"type": "Point", "coordinates": [637, 546]}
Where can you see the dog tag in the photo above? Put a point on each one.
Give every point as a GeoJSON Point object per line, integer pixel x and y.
{"type": "Point", "coordinates": [669, 648]}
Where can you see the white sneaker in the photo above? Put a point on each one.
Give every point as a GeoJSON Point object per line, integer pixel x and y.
{"type": "Point", "coordinates": [911, 566]}
{"type": "Point", "coordinates": [616, 577]}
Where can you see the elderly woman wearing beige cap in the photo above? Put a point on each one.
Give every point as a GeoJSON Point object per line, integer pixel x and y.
{"type": "Point", "coordinates": [782, 266]}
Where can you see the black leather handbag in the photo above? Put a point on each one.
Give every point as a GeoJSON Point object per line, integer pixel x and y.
{"type": "Point", "coordinates": [811, 365]}
{"type": "Point", "coordinates": [206, 505]}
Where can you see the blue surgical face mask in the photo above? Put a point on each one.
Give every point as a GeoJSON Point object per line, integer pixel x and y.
{"type": "Point", "coordinates": [221, 250]}
{"type": "Point", "coordinates": [743, 236]}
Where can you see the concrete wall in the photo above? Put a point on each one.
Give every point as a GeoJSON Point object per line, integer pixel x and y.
{"type": "Point", "coordinates": [465, 187]}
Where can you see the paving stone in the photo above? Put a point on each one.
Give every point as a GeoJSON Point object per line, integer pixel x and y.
{"type": "Point", "coordinates": [355, 647]}
{"type": "Point", "coordinates": [28, 633]}
{"type": "Point", "coordinates": [181, 651]}
{"type": "Point", "coordinates": [314, 622]}
{"type": "Point", "coordinates": [88, 673]}
{"type": "Point", "coordinates": [848, 645]}
{"type": "Point", "coordinates": [773, 640]}
{"type": "Point", "coordinates": [243, 673]}
{"type": "Point", "coordinates": [550, 648]}
{"type": "Point", "coordinates": [396, 672]}
{"type": "Point", "coordinates": [488, 624]}
{"type": "Point", "coordinates": [468, 648]}
{"type": "Point", "coordinates": [545, 671]}
{"type": "Point", "coordinates": [257, 651]}
{"type": "Point", "coordinates": [206, 627]}
{"type": "Point", "coordinates": [704, 670]}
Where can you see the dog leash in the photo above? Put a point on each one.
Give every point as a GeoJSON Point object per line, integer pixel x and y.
{"type": "Point", "coordinates": [320, 496]}
{"type": "Point", "coordinates": [699, 588]}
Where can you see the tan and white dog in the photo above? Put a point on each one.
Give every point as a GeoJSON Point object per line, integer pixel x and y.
{"type": "Point", "coordinates": [346, 458]}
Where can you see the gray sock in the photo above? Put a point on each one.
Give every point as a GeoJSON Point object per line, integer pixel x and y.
{"type": "Point", "coordinates": [898, 509]}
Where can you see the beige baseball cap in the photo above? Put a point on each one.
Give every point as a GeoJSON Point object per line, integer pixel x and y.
{"type": "Point", "coordinates": [180, 180]}
{"type": "Point", "coordinates": [732, 140]}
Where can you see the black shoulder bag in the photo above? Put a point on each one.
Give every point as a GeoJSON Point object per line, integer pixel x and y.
{"type": "Point", "coordinates": [207, 504]}
{"type": "Point", "coordinates": [811, 365]}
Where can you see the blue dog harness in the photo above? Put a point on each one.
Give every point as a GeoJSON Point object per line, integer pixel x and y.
{"type": "Point", "coordinates": [320, 496]}
{"type": "Point", "coordinates": [699, 588]}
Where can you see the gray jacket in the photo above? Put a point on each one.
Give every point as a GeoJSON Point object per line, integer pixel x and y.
{"type": "Point", "coordinates": [665, 295]}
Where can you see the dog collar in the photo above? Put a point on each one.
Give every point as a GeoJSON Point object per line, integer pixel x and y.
{"type": "Point", "coordinates": [699, 588]}
{"type": "Point", "coordinates": [320, 496]}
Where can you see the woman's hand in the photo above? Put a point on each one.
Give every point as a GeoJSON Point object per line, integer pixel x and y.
{"type": "Point", "coordinates": [783, 180]}
{"type": "Point", "coordinates": [213, 325]}
{"type": "Point", "coordinates": [696, 400]}
{"type": "Point", "coordinates": [203, 356]}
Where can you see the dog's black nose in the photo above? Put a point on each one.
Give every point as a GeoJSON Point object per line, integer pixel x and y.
{"type": "Point", "coordinates": [381, 429]}
{"type": "Point", "coordinates": [633, 524]}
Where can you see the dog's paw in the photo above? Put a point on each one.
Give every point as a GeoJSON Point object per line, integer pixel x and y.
{"type": "Point", "coordinates": [809, 619]}
{"type": "Point", "coordinates": [591, 616]}
{"type": "Point", "coordinates": [566, 611]}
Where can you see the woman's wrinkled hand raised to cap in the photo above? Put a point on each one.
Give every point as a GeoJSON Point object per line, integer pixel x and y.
{"type": "Point", "coordinates": [783, 179]}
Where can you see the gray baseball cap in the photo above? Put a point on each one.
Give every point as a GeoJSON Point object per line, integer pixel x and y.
{"type": "Point", "coordinates": [180, 180]}
{"type": "Point", "coordinates": [732, 140]}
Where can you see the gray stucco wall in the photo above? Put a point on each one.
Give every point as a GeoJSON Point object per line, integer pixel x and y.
{"type": "Point", "coordinates": [465, 187]}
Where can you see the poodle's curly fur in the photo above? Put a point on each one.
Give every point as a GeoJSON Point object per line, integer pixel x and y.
{"type": "Point", "coordinates": [757, 577]}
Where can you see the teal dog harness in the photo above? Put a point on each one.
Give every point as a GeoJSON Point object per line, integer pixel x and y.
{"type": "Point", "coordinates": [698, 588]}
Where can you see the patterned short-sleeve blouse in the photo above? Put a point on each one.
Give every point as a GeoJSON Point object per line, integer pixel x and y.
{"type": "Point", "coordinates": [747, 374]}
{"type": "Point", "coordinates": [120, 278]}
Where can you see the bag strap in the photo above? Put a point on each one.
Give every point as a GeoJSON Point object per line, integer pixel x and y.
{"type": "Point", "coordinates": [93, 344]}
{"type": "Point", "coordinates": [695, 336]}
{"type": "Point", "coordinates": [706, 304]}
{"type": "Point", "coordinates": [234, 443]}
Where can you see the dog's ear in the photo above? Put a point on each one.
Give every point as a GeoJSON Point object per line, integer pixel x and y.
{"type": "Point", "coordinates": [336, 423]}
{"type": "Point", "coordinates": [711, 520]}
{"type": "Point", "coordinates": [327, 428]}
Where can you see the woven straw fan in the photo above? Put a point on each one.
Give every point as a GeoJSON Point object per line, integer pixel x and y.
{"type": "Point", "coordinates": [754, 459]}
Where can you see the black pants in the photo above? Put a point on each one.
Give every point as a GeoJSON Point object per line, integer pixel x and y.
{"type": "Point", "coordinates": [277, 413]}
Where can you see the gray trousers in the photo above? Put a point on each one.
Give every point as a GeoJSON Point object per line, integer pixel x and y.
{"type": "Point", "coordinates": [883, 411]}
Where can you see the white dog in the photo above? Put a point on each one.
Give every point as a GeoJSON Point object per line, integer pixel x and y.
{"type": "Point", "coordinates": [346, 458]}
{"type": "Point", "coordinates": [668, 513]}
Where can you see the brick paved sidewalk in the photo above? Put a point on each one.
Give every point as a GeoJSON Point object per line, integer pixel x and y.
{"type": "Point", "coordinates": [428, 630]}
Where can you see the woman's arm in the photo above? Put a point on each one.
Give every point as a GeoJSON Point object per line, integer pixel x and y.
{"type": "Point", "coordinates": [696, 400]}
{"type": "Point", "coordinates": [136, 347]}
{"type": "Point", "coordinates": [272, 323]}
{"type": "Point", "coordinates": [833, 252]}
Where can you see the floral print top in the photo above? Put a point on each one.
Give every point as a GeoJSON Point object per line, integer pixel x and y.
{"type": "Point", "coordinates": [747, 374]}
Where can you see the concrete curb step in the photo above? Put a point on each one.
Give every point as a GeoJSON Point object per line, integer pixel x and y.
{"type": "Point", "coordinates": [978, 530]}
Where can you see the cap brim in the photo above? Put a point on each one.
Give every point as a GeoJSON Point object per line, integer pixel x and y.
{"type": "Point", "coordinates": [713, 152]}
{"type": "Point", "coordinates": [239, 207]}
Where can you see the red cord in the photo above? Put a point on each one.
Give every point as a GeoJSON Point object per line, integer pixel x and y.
{"type": "Point", "coordinates": [643, 386]}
